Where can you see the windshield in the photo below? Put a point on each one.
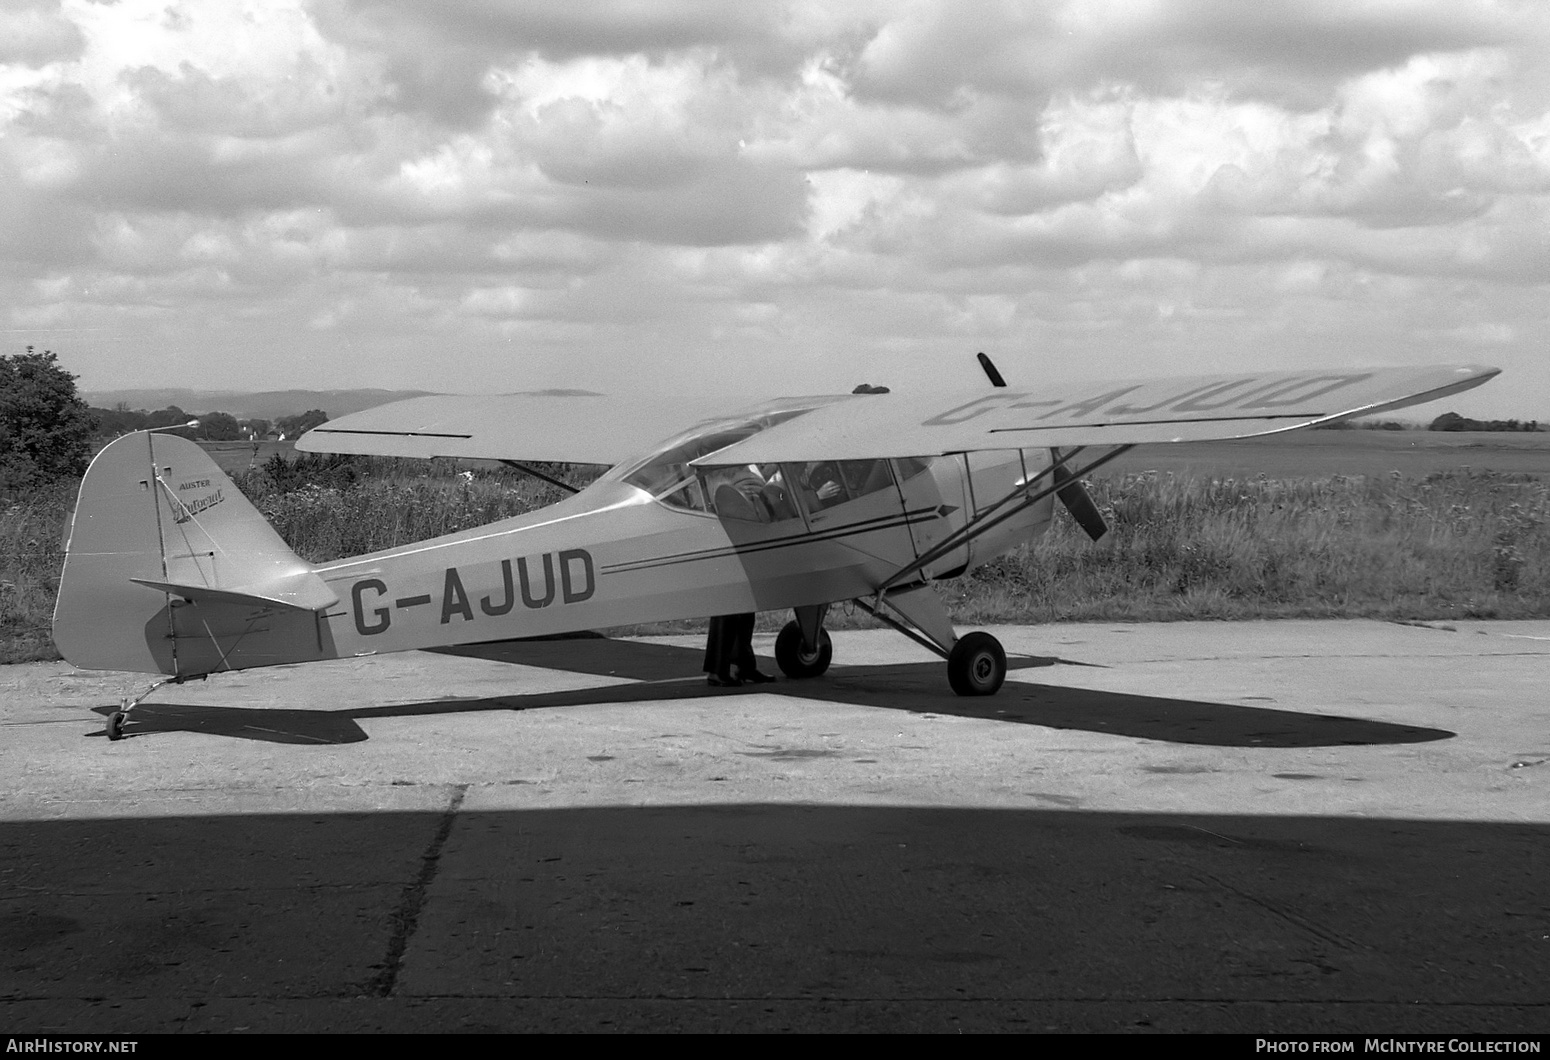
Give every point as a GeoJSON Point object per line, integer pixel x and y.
{"type": "Point", "coordinates": [667, 474]}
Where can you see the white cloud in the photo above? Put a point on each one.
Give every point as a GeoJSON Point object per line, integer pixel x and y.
{"type": "Point", "coordinates": [541, 188]}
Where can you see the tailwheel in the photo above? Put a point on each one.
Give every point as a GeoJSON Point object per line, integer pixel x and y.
{"type": "Point", "coordinates": [795, 659]}
{"type": "Point", "coordinates": [977, 665]}
{"type": "Point", "coordinates": [116, 725]}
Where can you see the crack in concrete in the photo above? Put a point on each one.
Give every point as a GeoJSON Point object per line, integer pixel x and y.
{"type": "Point", "coordinates": [1327, 934]}
{"type": "Point", "coordinates": [406, 918]}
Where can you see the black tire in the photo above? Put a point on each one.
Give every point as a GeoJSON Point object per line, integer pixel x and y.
{"type": "Point", "coordinates": [977, 665]}
{"type": "Point", "coordinates": [116, 725]}
{"type": "Point", "coordinates": [796, 663]}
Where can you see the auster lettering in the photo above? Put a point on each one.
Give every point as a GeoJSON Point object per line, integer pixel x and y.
{"type": "Point", "coordinates": [384, 617]}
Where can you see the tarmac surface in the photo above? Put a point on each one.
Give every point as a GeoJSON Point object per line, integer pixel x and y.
{"type": "Point", "coordinates": [1251, 827]}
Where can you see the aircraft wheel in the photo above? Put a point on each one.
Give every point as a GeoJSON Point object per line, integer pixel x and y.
{"type": "Point", "coordinates": [796, 662]}
{"type": "Point", "coordinates": [116, 725]}
{"type": "Point", "coordinates": [977, 665]}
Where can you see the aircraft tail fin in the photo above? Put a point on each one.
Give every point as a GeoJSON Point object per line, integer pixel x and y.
{"type": "Point", "coordinates": [169, 569]}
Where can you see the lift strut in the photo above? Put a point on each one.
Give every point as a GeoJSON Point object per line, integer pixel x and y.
{"type": "Point", "coordinates": [1023, 497]}
{"type": "Point", "coordinates": [566, 486]}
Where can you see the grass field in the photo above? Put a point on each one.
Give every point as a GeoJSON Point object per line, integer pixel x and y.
{"type": "Point", "coordinates": [1404, 530]}
{"type": "Point", "coordinates": [1321, 454]}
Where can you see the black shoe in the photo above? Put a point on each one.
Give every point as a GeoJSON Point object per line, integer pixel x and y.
{"type": "Point", "coordinates": [723, 681]}
{"type": "Point", "coordinates": [757, 678]}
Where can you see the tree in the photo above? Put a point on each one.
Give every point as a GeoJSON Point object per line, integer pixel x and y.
{"type": "Point", "coordinates": [295, 426]}
{"type": "Point", "coordinates": [45, 428]}
{"type": "Point", "coordinates": [171, 416]}
{"type": "Point", "coordinates": [219, 427]}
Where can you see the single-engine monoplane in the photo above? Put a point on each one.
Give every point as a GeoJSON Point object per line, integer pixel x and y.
{"type": "Point", "coordinates": [788, 503]}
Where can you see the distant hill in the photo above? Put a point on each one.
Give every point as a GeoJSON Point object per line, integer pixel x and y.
{"type": "Point", "coordinates": [269, 405]}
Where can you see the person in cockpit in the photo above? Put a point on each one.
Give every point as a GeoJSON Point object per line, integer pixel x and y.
{"type": "Point", "coordinates": [822, 484]}
{"type": "Point", "coordinates": [738, 493]}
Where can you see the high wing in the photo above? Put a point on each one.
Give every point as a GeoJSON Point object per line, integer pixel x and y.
{"type": "Point", "coordinates": [565, 426]}
{"type": "Point", "coordinates": [1201, 408]}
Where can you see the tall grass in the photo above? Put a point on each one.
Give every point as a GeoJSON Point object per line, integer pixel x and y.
{"type": "Point", "coordinates": [328, 508]}
{"type": "Point", "coordinates": [1450, 545]}
{"type": "Point", "coordinates": [32, 524]}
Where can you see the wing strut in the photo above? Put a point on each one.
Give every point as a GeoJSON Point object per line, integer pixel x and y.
{"type": "Point", "coordinates": [566, 486]}
{"type": "Point", "coordinates": [1004, 509]}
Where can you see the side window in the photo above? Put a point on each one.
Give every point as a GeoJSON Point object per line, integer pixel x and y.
{"type": "Point", "coordinates": [777, 493]}
{"type": "Point", "coordinates": [865, 476]}
{"type": "Point", "coordinates": [910, 466]}
{"type": "Point", "coordinates": [826, 483]}
{"type": "Point", "coordinates": [822, 485]}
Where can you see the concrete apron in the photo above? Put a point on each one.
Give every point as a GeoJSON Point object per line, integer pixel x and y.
{"type": "Point", "coordinates": [1197, 826]}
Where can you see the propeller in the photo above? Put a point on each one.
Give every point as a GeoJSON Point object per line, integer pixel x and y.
{"type": "Point", "coordinates": [1078, 501]}
{"type": "Point", "coordinates": [990, 370]}
{"type": "Point", "coordinates": [1069, 489]}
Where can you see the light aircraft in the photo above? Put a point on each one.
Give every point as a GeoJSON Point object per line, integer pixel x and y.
{"type": "Point", "coordinates": [792, 503]}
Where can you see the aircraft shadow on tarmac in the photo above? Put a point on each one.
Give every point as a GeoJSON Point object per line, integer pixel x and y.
{"type": "Point", "coordinates": [663, 671]}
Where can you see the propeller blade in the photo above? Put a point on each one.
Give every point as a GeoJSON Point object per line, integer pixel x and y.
{"type": "Point", "coordinates": [990, 370]}
{"type": "Point", "coordinates": [1079, 503]}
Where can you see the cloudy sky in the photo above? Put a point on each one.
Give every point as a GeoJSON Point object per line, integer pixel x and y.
{"type": "Point", "coordinates": [478, 195]}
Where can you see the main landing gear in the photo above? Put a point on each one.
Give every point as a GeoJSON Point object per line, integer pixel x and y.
{"type": "Point", "coordinates": [976, 662]}
{"type": "Point", "coordinates": [798, 659]}
{"type": "Point", "coordinates": [976, 666]}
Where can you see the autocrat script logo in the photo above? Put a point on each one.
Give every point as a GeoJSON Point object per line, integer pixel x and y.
{"type": "Point", "coordinates": [183, 511]}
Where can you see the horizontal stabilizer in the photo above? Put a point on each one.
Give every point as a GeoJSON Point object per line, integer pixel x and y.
{"type": "Point", "coordinates": [299, 592]}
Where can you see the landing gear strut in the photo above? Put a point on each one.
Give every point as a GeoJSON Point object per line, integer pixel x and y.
{"type": "Point", "coordinates": [116, 720]}
{"type": "Point", "coordinates": [976, 662]}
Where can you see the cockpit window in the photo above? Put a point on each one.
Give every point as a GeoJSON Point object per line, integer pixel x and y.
{"type": "Point", "coordinates": [755, 493]}
{"type": "Point", "coordinates": [668, 475]}
{"type": "Point", "coordinates": [826, 483]}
